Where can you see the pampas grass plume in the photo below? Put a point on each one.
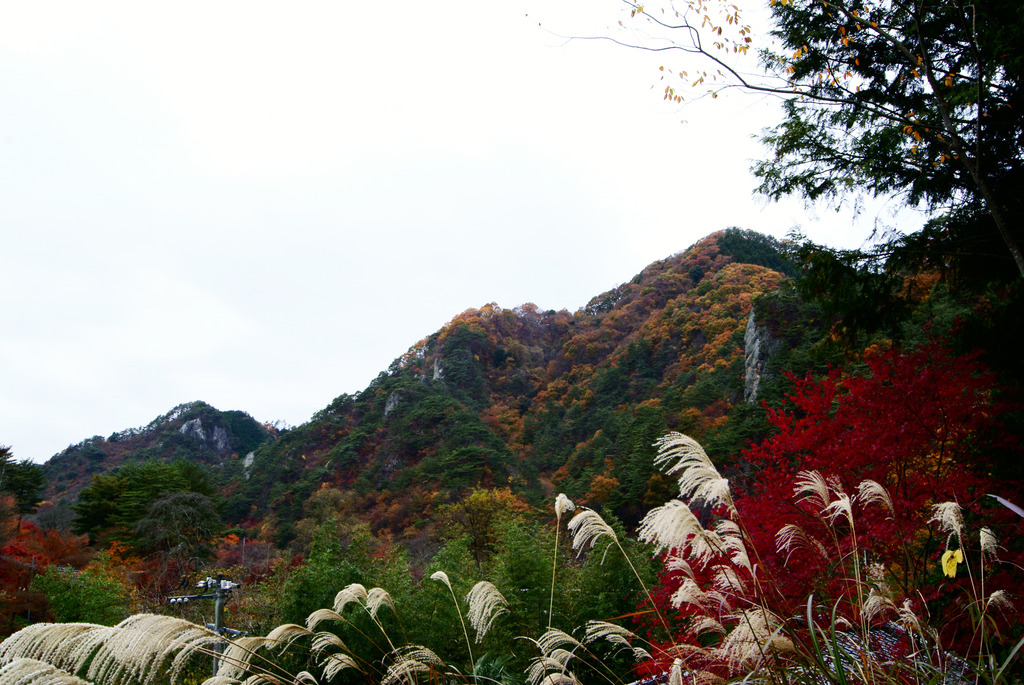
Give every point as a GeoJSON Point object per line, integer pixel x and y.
{"type": "Point", "coordinates": [409, 661]}
{"type": "Point", "coordinates": [872, 492]}
{"type": "Point", "coordinates": [321, 615]}
{"type": "Point", "coordinates": [989, 544]}
{"type": "Point", "coordinates": [376, 598]}
{"type": "Point", "coordinates": [563, 505]}
{"type": "Point", "coordinates": [670, 526]}
{"type": "Point", "coordinates": [811, 487]}
{"type": "Point", "coordinates": [950, 519]}
{"type": "Point", "coordinates": [31, 672]}
{"type": "Point", "coordinates": [586, 528]}
{"type": "Point", "coordinates": [352, 593]}
{"type": "Point", "coordinates": [288, 633]}
{"type": "Point", "coordinates": [602, 630]}
{"type": "Point", "coordinates": [699, 482]}
{"type": "Point", "coordinates": [553, 639]}
{"type": "Point", "coordinates": [441, 577]}
{"type": "Point", "coordinates": [486, 603]}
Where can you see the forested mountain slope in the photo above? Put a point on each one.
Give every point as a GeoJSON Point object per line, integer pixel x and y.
{"type": "Point", "coordinates": [535, 400]}
{"type": "Point", "coordinates": [194, 432]}
{"type": "Point", "coordinates": [520, 398]}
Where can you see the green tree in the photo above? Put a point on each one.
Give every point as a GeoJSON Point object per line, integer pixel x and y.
{"type": "Point", "coordinates": [918, 99]}
{"type": "Point", "coordinates": [113, 504]}
{"type": "Point", "coordinates": [23, 480]}
{"type": "Point", "coordinates": [327, 570]}
{"type": "Point", "coordinates": [92, 595]}
{"type": "Point", "coordinates": [479, 516]}
{"type": "Point", "coordinates": [179, 525]}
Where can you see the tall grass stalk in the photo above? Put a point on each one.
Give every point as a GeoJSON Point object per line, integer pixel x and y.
{"type": "Point", "coordinates": [442, 577]}
{"type": "Point", "coordinates": [587, 527]}
{"type": "Point", "coordinates": [562, 505]}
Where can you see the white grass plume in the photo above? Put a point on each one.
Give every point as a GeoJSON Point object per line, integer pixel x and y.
{"type": "Point", "coordinates": [542, 668]}
{"type": "Point", "coordinates": [950, 519]}
{"type": "Point", "coordinates": [670, 526]}
{"type": "Point", "coordinates": [675, 673]}
{"type": "Point", "coordinates": [351, 593]}
{"type": "Point", "coordinates": [873, 492]}
{"type": "Point", "coordinates": [586, 528]}
{"type": "Point", "coordinates": [755, 633]}
{"type": "Point", "coordinates": [376, 598]}
{"type": "Point", "coordinates": [876, 606]}
{"type": "Point", "coordinates": [441, 577]}
{"type": "Point", "coordinates": [706, 624]}
{"type": "Point", "coordinates": [673, 526]}
{"type": "Point", "coordinates": [563, 505]}
{"type": "Point", "coordinates": [139, 649]}
{"type": "Point", "coordinates": [31, 672]}
{"type": "Point", "coordinates": [486, 603]}
{"type": "Point", "coordinates": [333, 664]}
{"type": "Point", "coordinates": [792, 537]}
{"type": "Point", "coordinates": [811, 487]}
{"type": "Point", "coordinates": [678, 564]}
{"type": "Point", "coordinates": [733, 543]}
{"type": "Point", "coordinates": [66, 646]}
{"type": "Point", "coordinates": [410, 661]}
{"type": "Point", "coordinates": [560, 679]}
{"type": "Point", "coordinates": [908, 618]}
{"type": "Point", "coordinates": [690, 592]}
{"type": "Point", "coordinates": [553, 639]}
{"type": "Point", "coordinates": [706, 678]}
{"type": "Point", "coordinates": [321, 615]}
{"type": "Point", "coordinates": [610, 632]}
{"type": "Point", "coordinates": [567, 678]}
{"type": "Point", "coordinates": [700, 482]}
{"type": "Point", "coordinates": [539, 667]}
{"type": "Point", "coordinates": [999, 600]}
{"type": "Point", "coordinates": [324, 641]}
{"type": "Point", "coordinates": [705, 545]}
{"type": "Point", "coordinates": [728, 581]}
{"type": "Point", "coordinates": [841, 506]}
{"type": "Point", "coordinates": [287, 633]}
{"type": "Point", "coordinates": [989, 544]}
{"type": "Point", "coordinates": [236, 658]}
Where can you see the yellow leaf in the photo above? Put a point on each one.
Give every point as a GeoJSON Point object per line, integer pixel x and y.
{"type": "Point", "coordinates": [950, 558]}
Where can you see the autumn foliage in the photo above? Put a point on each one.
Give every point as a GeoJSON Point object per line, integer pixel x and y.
{"type": "Point", "coordinates": [922, 423]}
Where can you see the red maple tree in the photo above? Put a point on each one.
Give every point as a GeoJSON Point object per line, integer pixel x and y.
{"type": "Point", "coordinates": [925, 425]}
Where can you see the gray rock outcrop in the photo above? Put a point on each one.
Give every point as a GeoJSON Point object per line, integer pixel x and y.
{"type": "Point", "coordinates": [759, 345]}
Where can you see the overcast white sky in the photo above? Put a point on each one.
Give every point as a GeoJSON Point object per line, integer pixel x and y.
{"type": "Point", "coordinates": [261, 205]}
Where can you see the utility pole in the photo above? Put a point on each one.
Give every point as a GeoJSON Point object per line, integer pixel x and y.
{"type": "Point", "coordinates": [218, 589]}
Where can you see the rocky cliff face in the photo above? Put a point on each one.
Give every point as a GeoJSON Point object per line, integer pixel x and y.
{"type": "Point", "coordinates": [216, 438]}
{"type": "Point", "coordinates": [759, 345]}
{"type": "Point", "coordinates": [194, 431]}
